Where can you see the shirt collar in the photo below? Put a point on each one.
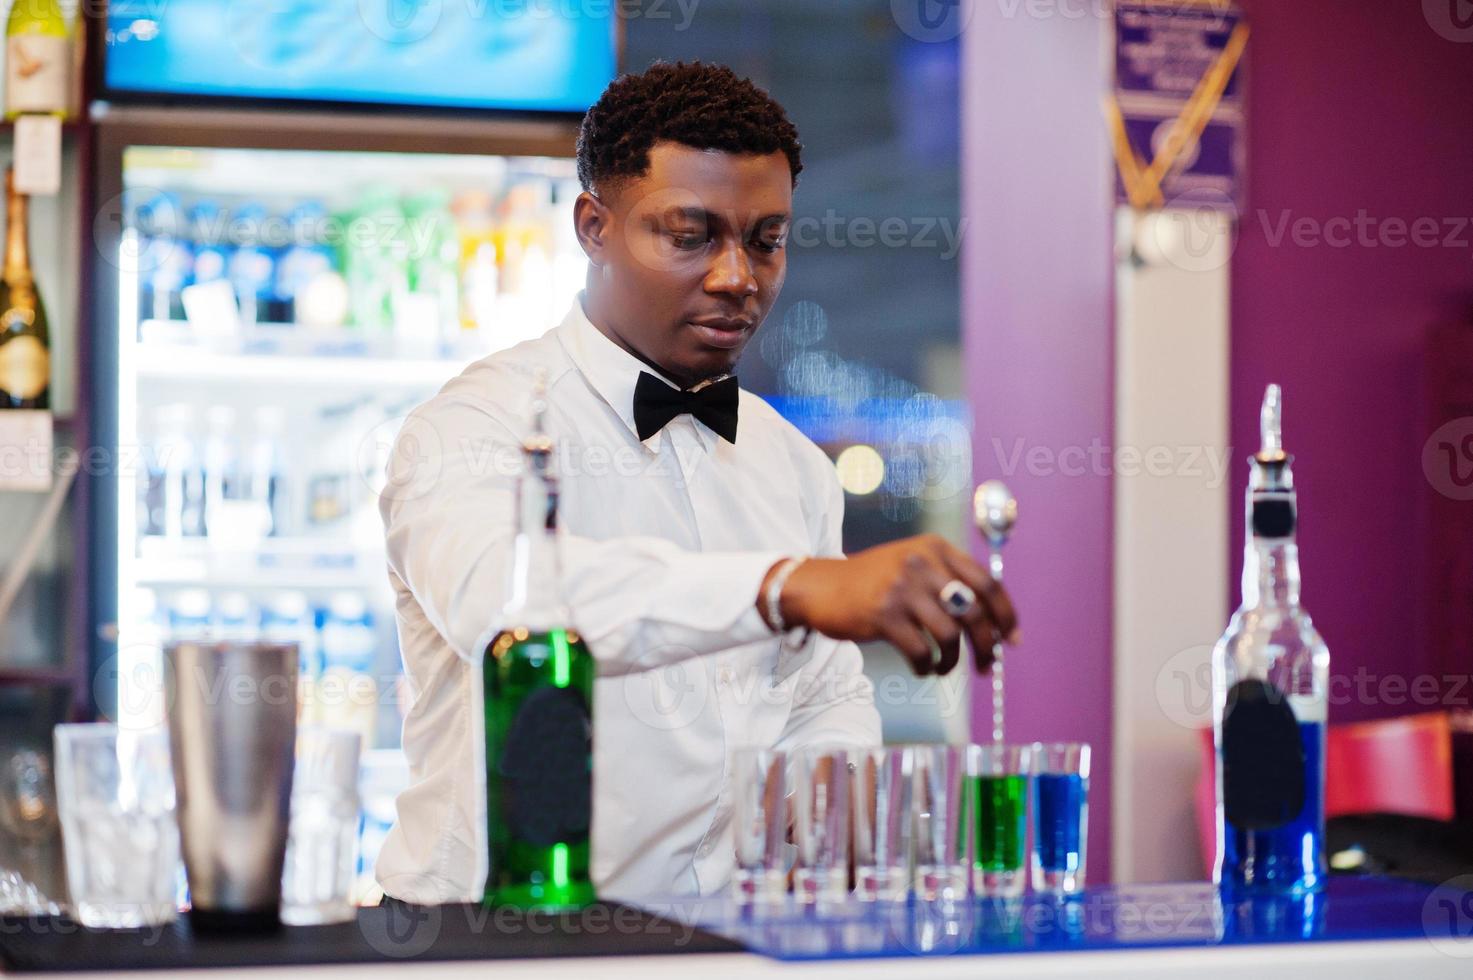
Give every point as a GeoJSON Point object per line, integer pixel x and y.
{"type": "Point", "coordinates": [613, 372]}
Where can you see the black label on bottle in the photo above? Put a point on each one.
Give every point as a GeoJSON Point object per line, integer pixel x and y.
{"type": "Point", "coordinates": [547, 768]}
{"type": "Point", "coordinates": [1273, 518]}
{"type": "Point", "coordinates": [1263, 762]}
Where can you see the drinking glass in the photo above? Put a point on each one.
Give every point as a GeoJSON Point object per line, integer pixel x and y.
{"type": "Point", "coordinates": [940, 844]}
{"type": "Point", "coordinates": [115, 795]}
{"type": "Point", "coordinates": [882, 791]}
{"type": "Point", "coordinates": [1060, 816]}
{"type": "Point", "coordinates": [322, 835]}
{"type": "Point", "coordinates": [760, 823]}
{"type": "Point", "coordinates": [996, 804]}
{"type": "Point", "coordinates": [821, 823]}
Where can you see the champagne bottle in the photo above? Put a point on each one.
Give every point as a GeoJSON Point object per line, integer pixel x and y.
{"type": "Point", "coordinates": [1270, 685]}
{"type": "Point", "coordinates": [538, 684]}
{"type": "Point", "coordinates": [38, 56]}
{"type": "Point", "coordinates": [25, 357]}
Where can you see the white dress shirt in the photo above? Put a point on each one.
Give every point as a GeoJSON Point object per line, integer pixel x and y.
{"type": "Point", "coordinates": [665, 544]}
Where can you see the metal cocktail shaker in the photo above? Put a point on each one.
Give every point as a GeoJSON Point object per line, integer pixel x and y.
{"type": "Point", "coordinates": [232, 733]}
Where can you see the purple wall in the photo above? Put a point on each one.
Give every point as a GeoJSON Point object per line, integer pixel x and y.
{"type": "Point", "coordinates": [1353, 108]}
{"type": "Point", "coordinates": [1037, 342]}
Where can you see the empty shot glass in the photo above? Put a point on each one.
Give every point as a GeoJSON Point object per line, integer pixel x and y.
{"type": "Point", "coordinates": [881, 790]}
{"type": "Point", "coordinates": [760, 825]}
{"type": "Point", "coordinates": [322, 836]}
{"type": "Point", "coordinates": [940, 843]}
{"type": "Point", "coordinates": [821, 776]}
{"type": "Point", "coordinates": [1060, 816]}
{"type": "Point", "coordinates": [996, 805]}
{"type": "Point", "coordinates": [115, 797]}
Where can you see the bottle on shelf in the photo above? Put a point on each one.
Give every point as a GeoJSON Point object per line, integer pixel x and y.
{"type": "Point", "coordinates": [287, 618]}
{"type": "Point", "coordinates": [25, 339]}
{"type": "Point", "coordinates": [252, 267]}
{"type": "Point", "coordinates": [174, 487]}
{"type": "Point", "coordinates": [433, 270]}
{"type": "Point", "coordinates": [233, 618]}
{"type": "Point", "coordinates": [266, 482]}
{"type": "Point", "coordinates": [188, 615]}
{"type": "Point", "coordinates": [38, 59]}
{"type": "Point", "coordinates": [165, 258]}
{"type": "Point", "coordinates": [209, 245]}
{"type": "Point", "coordinates": [1270, 684]}
{"type": "Point", "coordinates": [304, 262]}
{"type": "Point", "coordinates": [222, 473]}
{"type": "Point", "coordinates": [346, 695]}
{"type": "Point", "coordinates": [479, 272]}
{"type": "Point", "coordinates": [538, 681]}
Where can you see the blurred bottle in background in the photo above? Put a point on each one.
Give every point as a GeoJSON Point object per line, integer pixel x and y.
{"type": "Point", "coordinates": [180, 508]}
{"type": "Point", "coordinates": [187, 616]}
{"type": "Point", "coordinates": [233, 619]}
{"type": "Point", "coordinates": [480, 279]}
{"type": "Point", "coordinates": [347, 695]}
{"type": "Point", "coordinates": [209, 246]}
{"type": "Point", "coordinates": [287, 618]}
{"type": "Point", "coordinates": [140, 663]}
{"type": "Point", "coordinates": [374, 258]}
{"type": "Point", "coordinates": [305, 260]}
{"type": "Point", "coordinates": [38, 59]}
{"type": "Point", "coordinates": [222, 474]}
{"type": "Point", "coordinates": [268, 488]}
{"type": "Point", "coordinates": [168, 257]}
{"type": "Point", "coordinates": [433, 275]}
{"type": "Point", "coordinates": [252, 267]}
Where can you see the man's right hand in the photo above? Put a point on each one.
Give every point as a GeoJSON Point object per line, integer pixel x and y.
{"type": "Point", "coordinates": [893, 592]}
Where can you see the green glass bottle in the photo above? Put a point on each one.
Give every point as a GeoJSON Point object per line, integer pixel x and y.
{"type": "Point", "coordinates": [538, 678]}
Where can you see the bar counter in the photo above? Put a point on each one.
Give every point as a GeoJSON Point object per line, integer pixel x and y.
{"type": "Point", "coordinates": [1359, 927]}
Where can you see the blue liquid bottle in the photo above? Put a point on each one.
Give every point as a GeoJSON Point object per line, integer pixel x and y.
{"type": "Point", "coordinates": [1270, 680]}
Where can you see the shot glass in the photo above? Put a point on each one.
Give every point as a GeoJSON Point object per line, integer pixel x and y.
{"type": "Point", "coordinates": [760, 825]}
{"type": "Point", "coordinates": [996, 818]}
{"type": "Point", "coordinates": [115, 798]}
{"type": "Point", "coordinates": [821, 777]}
{"type": "Point", "coordinates": [322, 836]}
{"type": "Point", "coordinates": [940, 843]}
{"type": "Point", "coordinates": [881, 790]}
{"type": "Point", "coordinates": [1060, 817]}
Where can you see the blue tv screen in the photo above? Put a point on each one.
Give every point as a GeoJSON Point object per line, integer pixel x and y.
{"type": "Point", "coordinates": [539, 55]}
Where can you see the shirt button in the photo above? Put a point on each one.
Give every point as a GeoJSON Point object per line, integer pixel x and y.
{"type": "Point", "coordinates": [707, 848]}
{"type": "Point", "coordinates": [727, 676]}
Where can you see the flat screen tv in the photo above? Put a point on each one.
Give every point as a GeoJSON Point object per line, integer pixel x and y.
{"type": "Point", "coordinates": [528, 55]}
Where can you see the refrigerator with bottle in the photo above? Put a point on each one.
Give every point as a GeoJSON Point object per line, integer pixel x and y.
{"type": "Point", "coordinates": [285, 269]}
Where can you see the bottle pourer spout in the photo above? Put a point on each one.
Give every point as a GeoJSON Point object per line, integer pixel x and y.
{"type": "Point", "coordinates": [538, 440]}
{"type": "Point", "coordinates": [1271, 427]}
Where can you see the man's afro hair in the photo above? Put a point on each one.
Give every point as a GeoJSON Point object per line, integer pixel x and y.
{"type": "Point", "coordinates": [708, 107]}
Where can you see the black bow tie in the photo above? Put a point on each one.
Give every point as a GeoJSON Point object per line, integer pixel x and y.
{"type": "Point", "coordinates": [656, 403]}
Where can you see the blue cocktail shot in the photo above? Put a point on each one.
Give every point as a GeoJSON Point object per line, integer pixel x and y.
{"type": "Point", "coordinates": [1060, 817]}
